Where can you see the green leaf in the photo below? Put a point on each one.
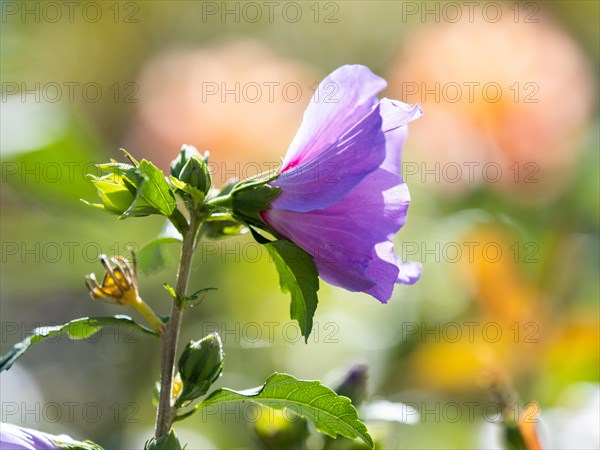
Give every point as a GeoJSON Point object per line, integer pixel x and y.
{"type": "Point", "coordinates": [170, 290]}
{"type": "Point", "coordinates": [198, 297]}
{"type": "Point", "coordinates": [330, 413]}
{"type": "Point", "coordinates": [188, 192]}
{"type": "Point", "coordinates": [152, 255]}
{"type": "Point", "coordinates": [200, 294]}
{"type": "Point", "coordinates": [191, 300]}
{"type": "Point", "coordinates": [85, 445]}
{"type": "Point", "coordinates": [228, 187]}
{"type": "Point", "coordinates": [133, 190]}
{"type": "Point", "coordinates": [121, 170]}
{"type": "Point", "coordinates": [154, 195]}
{"type": "Point", "coordinates": [222, 225]}
{"type": "Point", "coordinates": [298, 276]}
{"type": "Point", "coordinates": [167, 442]}
{"type": "Point", "coordinates": [130, 157]}
{"type": "Point", "coordinates": [76, 329]}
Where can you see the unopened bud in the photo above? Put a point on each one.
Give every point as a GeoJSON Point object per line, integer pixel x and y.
{"type": "Point", "coordinates": [166, 442]}
{"type": "Point", "coordinates": [281, 429]}
{"type": "Point", "coordinates": [192, 168]}
{"type": "Point", "coordinates": [195, 173]}
{"type": "Point", "coordinates": [200, 365]}
{"type": "Point", "coordinates": [187, 152]}
{"type": "Point", "coordinates": [354, 384]}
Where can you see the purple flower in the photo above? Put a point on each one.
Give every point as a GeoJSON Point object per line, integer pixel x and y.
{"type": "Point", "coordinates": [342, 198]}
{"type": "Point", "coordinates": [13, 437]}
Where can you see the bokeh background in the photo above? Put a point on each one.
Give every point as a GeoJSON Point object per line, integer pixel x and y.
{"type": "Point", "coordinates": [502, 168]}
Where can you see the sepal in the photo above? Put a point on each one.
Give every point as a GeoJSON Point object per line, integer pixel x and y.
{"type": "Point", "coordinates": [166, 442]}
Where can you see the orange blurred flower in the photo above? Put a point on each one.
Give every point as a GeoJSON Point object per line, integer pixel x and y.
{"type": "Point", "coordinates": [503, 103]}
{"type": "Point", "coordinates": [506, 326]}
{"type": "Point", "coordinates": [520, 323]}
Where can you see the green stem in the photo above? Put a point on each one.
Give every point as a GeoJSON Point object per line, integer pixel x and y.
{"type": "Point", "coordinates": [166, 412]}
{"type": "Point", "coordinates": [224, 201]}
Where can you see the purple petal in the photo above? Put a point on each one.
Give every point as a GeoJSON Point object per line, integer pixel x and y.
{"type": "Point", "coordinates": [385, 270]}
{"type": "Point", "coordinates": [349, 240]}
{"type": "Point", "coordinates": [320, 182]}
{"type": "Point", "coordinates": [341, 100]}
{"type": "Point", "coordinates": [340, 255]}
{"type": "Point", "coordinates": [388, 270]}
{"type": "Point", "coordinates": [393, 151]}
{"type": "Point", "coordinates": [396, 115]}
{"type": "Point", "coordinates": [410, 272]}
{"type": "Point", "coordinates": [13, 437]}
{"type": "Point", "coordinates": [375, 140]}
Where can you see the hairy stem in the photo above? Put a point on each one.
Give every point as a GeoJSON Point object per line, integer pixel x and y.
{"type": "Point", "coordinates": [166, 413]}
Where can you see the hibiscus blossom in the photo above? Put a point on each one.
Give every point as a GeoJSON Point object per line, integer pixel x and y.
{"type": "Point", "coordinates": [13, 437]}
{"type": "Point", "coordinates": [341, 197]}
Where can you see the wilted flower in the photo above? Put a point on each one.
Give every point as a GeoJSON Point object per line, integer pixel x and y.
{"type": "Point", "coordinates": [120, 286]}
{"type": "Point", "coordinates": [341, 197]}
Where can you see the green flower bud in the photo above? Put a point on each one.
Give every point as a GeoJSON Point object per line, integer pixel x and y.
{"type": "Point", "coordinates": [200, 365]}
{"type": "Point", "coordinates": [279, 429]}
{"type": "Point", "coordinates": [116, 197]}
{"type": "Point", "coordinates": [187, 152]}
{"type": "Point", "coordinates": [191, 168]}
{"type": "Point", "coordinates": [166, 442]}
{"type": "Point", "coordinates": [195, 173]}
{"type": "Point", "coordinates": [354, 384]}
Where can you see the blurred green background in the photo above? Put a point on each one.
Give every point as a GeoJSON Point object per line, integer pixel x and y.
{"type": "Point", "coordinates": [502, 169]}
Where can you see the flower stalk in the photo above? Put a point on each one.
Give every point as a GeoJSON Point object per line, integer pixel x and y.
{"type": "Point", "coordinates": [144, 309]}
{"type": "Point", "coordinates": [166, 410]}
